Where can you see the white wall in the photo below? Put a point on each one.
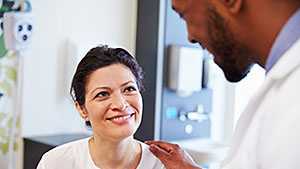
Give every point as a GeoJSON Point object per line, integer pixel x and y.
{"type": "Point", "coordinates": [222, 115]}
{"type": "Point", "coordinates": [46, 107]}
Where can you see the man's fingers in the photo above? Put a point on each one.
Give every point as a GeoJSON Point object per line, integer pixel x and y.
{"type": "Point", "coordinates": [158, 152]}
{"type": "Point", "coordinates": [163, 145]}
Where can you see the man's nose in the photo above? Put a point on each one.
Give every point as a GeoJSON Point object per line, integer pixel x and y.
{"type": "Point", "coordinates": [119, 102]}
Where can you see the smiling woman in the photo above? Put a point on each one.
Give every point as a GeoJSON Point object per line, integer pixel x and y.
{"type": "Point", "coordinates": [106, 92]}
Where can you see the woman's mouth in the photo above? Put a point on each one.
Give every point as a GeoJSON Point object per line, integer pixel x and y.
{"type": "Point", "coordinates": [121, 119]}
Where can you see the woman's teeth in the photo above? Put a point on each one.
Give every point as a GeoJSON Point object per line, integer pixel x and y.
{"type": "Point", "coordinates": [121, 118]}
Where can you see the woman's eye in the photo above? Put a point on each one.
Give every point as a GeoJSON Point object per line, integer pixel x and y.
{"type": "Point", "coordinates": [130, 89]}
{"type": "Point", "coordinates": [102, 94]}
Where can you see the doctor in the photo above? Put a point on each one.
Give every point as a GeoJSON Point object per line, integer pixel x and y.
{"type": "Point", "coordinates": [240, 33]}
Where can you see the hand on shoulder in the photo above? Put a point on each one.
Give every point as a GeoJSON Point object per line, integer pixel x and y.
{"type": "Point", "coordinates": [171, 155]}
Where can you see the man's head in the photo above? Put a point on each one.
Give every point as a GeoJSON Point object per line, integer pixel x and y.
{"type": "Point", "coordinates": [212, 30]}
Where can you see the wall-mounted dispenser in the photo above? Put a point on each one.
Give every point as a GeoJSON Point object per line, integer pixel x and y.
{"type": "Point", "coordinates": [185, 69]}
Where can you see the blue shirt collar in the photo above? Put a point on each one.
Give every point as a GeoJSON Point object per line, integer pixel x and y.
{"type": "Point", "coordinates": [286, 38]}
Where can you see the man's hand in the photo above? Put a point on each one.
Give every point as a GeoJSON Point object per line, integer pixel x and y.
{"type": "Point", "coordinates": [171, 155]}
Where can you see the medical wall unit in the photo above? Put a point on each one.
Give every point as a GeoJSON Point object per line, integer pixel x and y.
{"type": "Point", "coordinates": [177, 99]}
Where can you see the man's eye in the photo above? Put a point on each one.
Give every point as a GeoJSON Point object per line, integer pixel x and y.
{"type": "Point", "coordinates": [102, 94]}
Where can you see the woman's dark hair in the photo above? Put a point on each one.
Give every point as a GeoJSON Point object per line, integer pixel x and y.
{"type": "Point", "coordinates": [100, 57]}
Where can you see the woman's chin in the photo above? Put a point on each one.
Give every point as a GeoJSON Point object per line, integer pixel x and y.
{"type": "Point", "coordinates": [124, 133]}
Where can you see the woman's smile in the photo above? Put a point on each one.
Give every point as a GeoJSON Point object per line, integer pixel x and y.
{"type": "Point", "coordinates": [121, 119]}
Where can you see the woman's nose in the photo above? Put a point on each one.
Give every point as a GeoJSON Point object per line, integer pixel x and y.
{"type": "Point", "coordinates": [119, 102]}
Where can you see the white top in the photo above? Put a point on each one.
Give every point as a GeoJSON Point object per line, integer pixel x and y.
{"type": "Point", "coordinates": [76, 155]}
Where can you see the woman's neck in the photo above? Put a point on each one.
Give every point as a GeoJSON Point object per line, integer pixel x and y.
{"type": "Point", "coordinates": [115, 154]}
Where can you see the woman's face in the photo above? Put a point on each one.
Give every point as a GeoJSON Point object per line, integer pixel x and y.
{"type": "Point", "coordinates": [113, 103]}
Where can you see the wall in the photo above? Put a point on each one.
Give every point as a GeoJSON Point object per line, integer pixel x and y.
{"type": "Point", "coordinates": [59, 26]}
{"type": "Point", "coordinates": [222, 108]}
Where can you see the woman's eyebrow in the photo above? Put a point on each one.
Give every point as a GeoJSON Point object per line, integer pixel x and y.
{"type": "Point", "coordinates": [101, 87]}
{"type": "Point", "coordinates": [126, 83]}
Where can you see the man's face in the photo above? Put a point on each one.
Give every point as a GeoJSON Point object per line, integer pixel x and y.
{"type": "Point", "coordinates": [208, 28]}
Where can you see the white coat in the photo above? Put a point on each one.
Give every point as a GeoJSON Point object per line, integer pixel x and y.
{"type": "Point", "coordinates": [268, 133]}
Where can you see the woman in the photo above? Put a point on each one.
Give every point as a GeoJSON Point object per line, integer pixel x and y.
{"type": "Point", "coordinates": [106, 91]}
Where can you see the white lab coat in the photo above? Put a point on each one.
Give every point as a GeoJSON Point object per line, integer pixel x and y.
{"type": "Point", "coordinates": [268, 133]}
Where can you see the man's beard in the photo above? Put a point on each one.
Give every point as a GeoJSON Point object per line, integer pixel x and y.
{"type": "Point", "coordinates": [233, 57]}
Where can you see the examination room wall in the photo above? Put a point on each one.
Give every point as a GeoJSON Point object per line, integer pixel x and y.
{"type": "Point", "coordinates": [63, 28]}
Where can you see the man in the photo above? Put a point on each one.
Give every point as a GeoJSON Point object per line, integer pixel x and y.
{"type": "Point", "coordinates": [240, 33]}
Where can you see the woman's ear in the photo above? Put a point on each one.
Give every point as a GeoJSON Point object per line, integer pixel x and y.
{"type": "Point", "coordinates": [82, 111]}
{"type": "Point", "coordinates": [234, 6]}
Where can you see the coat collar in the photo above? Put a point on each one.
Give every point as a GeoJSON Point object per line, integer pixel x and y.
{"type": "Point", "coordinates": [287, 63]}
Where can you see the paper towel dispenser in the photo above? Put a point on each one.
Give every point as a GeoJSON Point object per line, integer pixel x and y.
{"type": "Point", "coordinates": [185, 69]}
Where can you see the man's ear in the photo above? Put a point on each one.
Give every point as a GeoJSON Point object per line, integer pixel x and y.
{"type": "Point", "coordinates": [234, 6]}
{"type": "Point", "coordinates": [82, 111]}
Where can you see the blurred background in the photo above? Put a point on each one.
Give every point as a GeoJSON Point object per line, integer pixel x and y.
{"type": "Point", "coordinates": [187, 99]}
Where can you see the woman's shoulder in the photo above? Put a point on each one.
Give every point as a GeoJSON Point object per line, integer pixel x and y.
{"type": "Point", "coordinates": [68, 148]}
{"type": "Point", "coordinates": [67, 153]}
{"type": "Point", "coordinates": [148, 160]}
